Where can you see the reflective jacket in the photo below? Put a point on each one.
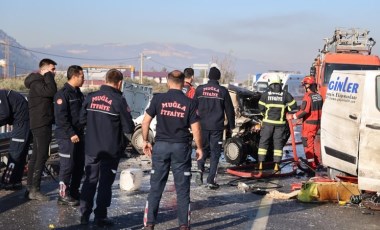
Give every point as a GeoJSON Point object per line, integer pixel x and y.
{"type": "Point", "coordinates": [311, 108]}
{"type": "Point", "coordinates": [273, 106]}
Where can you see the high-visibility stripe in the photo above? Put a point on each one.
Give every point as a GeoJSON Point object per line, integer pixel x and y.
{"type": "Point", "coordinates": [64, 155]}
{"type": "Point", "coordinates": [17, 140]}
{"type": "Point", "coordinates": [310, 160]}
{"type": "Point", "coordinates": [262, 151]}
{"type": "Point", "coordinates": [262, 103]}
{"type": "Point", "coordinates": [277, 152]}
{"type": "Point", "coordinates": [274, 122]}
{"type": "Point", "coordinates": [292, 103]}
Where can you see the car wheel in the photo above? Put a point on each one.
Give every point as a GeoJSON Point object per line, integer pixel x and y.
{"type": "Point", "coordinates": [137, 140]}
{"type": "Point", "coordinates": [234, 152]}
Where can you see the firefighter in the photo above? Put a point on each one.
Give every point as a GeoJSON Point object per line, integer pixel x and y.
{"type": "Point", "coordinates": [70, 137]}
{"type": "Point", "coordinates": [175, 114]}
{"type": "Point", "coordinates": [14, 111]}
{"type": "Point", "coordinates": [310, 112]}
{"type": "Point", "coordinates": [109, 120]}
{"type": "Point", "coordinates": [273, 105]}
{"type": "Point", "coordinates": [214, 102]}
{"type": "Point", "coordinates": [188, 89]}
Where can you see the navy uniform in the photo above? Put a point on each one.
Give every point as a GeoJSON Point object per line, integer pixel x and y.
{"type": "Point", "coordinates": [67, 105]}
{"type": "Point", "coordinates": [175, 113]}
{"type": "Point", "coordinates": [214, 102]}
{"type": "Point", "coordinates": [14, 111]}
{"type": "Point", "coordinates": [273, 105]}
{"type": "Point", "coordinates": [108, 119]}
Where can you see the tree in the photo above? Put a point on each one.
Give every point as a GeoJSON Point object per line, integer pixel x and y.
{"type": "Point", "coordinates": [227, 68]}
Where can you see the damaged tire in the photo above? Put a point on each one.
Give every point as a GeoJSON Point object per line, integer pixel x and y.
{"type": "Point", "coordinates": [137, 140]}
{"type": "Point", "coordinates": [234, 151]}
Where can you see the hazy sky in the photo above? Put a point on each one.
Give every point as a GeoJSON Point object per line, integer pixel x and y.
{"type": "Point", "coordinates": [282, 32]}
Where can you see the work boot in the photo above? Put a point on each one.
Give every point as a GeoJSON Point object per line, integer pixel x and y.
{"type": "Point", "coordinates": [184, 227]}
{"type": "Point", "coordinates": [14, 186]}
{"type": "Point", "coordinates": [199, 178]}
{"type": "Point", "coordinates": [148, 227]}
{"type": "Point", "coordinates": [67, 200]}
{"type": "Point", "coordinates": [35, 194]}
{"type": "Point", "coordinates": [212, 186]}
{"type": "Point", "coordinates": [84, 219]}
{"type": "Point", "coordinates": [103, 222]}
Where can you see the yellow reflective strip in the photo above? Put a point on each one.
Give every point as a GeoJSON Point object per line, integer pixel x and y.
{"type": "Point", "coordinates": [274, 122]}
{"type": "Point", "coordinates": [276, 105]}
{"type": "Point", "coordinates": [291, 103]}
{"type": "Point", "coordinates": [262, 103]}
{"type": "Point", "coordinates": [262, 151]}
{"type": "Point", "coordinates": [277, 152]}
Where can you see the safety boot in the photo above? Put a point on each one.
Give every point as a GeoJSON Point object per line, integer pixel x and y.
{"type": "Point", "coordinates": [67, 200]}
{"type": "Point", "coordinates": [199, 178]}
{"type": "Point", "coordinates": [148, 227]}
{"type": "Point", "coordinates": [35, 194]}
{"type": "Point", "coordinates": [184, 227]}
{"type": "Point", "coordinates": [103, 222]}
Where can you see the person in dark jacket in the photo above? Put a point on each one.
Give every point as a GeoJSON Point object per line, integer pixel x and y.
{"type": "Point", "coordinates": [42, 88]}
{"type": "Point", "coordinates": [175, 114]}
{"type": "Point", "coordinates": [14, 111]}
{"type": "Point", "coordinates": [108, 120]}
{"type": "Point", "coordinates": [214, 102]}
{"type": "Point", "coordinates": [273, 105]}
{"type": "Point", "coordinates": [69, 135]}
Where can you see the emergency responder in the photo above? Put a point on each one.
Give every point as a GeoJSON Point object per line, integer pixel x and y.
{"type": "Point", "coordinates": [273, 105]}
{"type": "Point", "coordinates": [214, 102]}
{"type": "Point", "coordinates": [14, 111]}
{"type": "Point", "coordinates": [42, 88]}
{"type": "Point", "coordinates": [69, 136]}
{"type": "Point", "coordinates": [175, 114]}
{"type": "Point", "coordinates": [108, 120]}
{"type": "Point", "coordinates": [188, 89]}
{"type": "Point", "coordinates": [310, 112]}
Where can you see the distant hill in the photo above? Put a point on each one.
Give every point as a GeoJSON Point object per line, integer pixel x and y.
{"type": "Point", "coordinates": [24, 61]}
{"type": "Point", "coordinates": [163, 56]}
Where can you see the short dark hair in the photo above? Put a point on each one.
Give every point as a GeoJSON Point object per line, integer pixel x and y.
{"type": "Point", "coordinates": [73, 70]}
{"type": "Point", "coordinates": [189, 72]}
{"type": "Point", "coordinates": [46, 61]}
{"type": "Point", "coordinates": [113, 76]}
{"type": "Point", "coordinates": [176, 77]}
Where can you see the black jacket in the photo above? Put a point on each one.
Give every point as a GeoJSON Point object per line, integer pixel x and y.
{"type": "Point", "coordinates": [67, 105]}
{"type": "Point", "coordinates": [41, 94]}
{"type": "Point", "coordinates": [108, 118]}
{"type": "Point", "coordinates": [213, 102]}
{"type": "Point", "coordinates": [13, 108]}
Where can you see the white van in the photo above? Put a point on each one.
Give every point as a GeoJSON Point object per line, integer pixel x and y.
{"type": "Point", "coordinates": [291, 83]}
{"type": "Point", "coordinates": [350, 126]}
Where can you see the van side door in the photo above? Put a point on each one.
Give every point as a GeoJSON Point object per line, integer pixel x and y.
{"type": "Point", "coordinates": [369, 146]}
{"type": "Point", "coordinates": [341, 115]}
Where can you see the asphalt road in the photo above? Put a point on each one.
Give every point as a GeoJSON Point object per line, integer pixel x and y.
{"type": "Point", "coordinates": [225, 208]}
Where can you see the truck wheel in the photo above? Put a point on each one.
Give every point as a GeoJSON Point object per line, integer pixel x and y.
{"type": "Point", "coordinates": [234, 151]}
{"type": "Point", "coordinates": [332, 173]}
{"type": "Point", "coordinates": [137, 140]}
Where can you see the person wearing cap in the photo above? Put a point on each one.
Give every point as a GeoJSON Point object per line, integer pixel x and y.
{"type": "Point", "coordinates": [108, 121]}
{"type": "Point", "coordinates": [42, 88]}
{"type": "Point", "coordinates": [188, 89]}
{"type": "Point", "coordinates": [310, 112]}
{"type": "Point", "coordinates": [69, 134]}
{"type": "Point", "coordinates": [214, 102]}
{"type": "Point", "coordinates": [175, 114]}
{"type": "Point", "coordinates": [273, 105]}
{"type": "Point", "coordinates": [14, 111]}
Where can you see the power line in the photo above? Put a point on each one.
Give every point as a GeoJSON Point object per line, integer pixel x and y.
{"type": "Point", "coordinates": [162, 64]}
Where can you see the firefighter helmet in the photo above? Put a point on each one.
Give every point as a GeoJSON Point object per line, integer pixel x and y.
{"type": "Point", "coordinates": [273, 79]}
{"type": "Point", "coordinates": [308, 80]}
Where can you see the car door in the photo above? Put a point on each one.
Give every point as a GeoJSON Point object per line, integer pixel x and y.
{"type": "Point", "coordinates": [341, 115]}
{"type": "Point", "coordinates": [369, 146]}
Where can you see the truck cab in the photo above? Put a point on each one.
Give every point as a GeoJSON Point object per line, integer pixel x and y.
{"type": "Point", "coordinates": [350, 126]}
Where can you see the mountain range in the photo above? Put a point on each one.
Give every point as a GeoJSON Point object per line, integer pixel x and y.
{"type": "Point", "coordinates": [157, 56]}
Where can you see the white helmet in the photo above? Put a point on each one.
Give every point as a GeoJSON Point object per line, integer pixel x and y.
{"type": "Point", "coordinates": [274, 78]}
